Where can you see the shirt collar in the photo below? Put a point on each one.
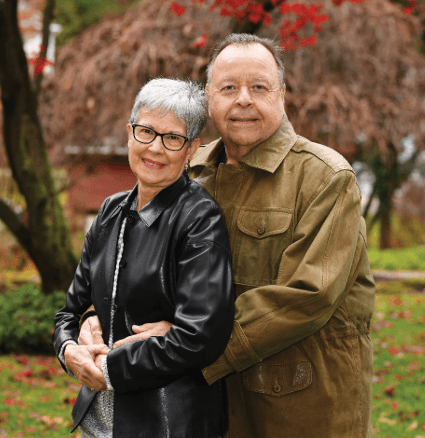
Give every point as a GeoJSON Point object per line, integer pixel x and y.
{"type": "Point", "coordinates": [266, 155]}
{"type": "Point", "coordinates": [152, 210]}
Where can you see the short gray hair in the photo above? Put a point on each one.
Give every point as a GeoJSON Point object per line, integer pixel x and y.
{"type": "Point", "coordinates": [186, 99]}
{"type": "Point", "coordinates": [244, 39]}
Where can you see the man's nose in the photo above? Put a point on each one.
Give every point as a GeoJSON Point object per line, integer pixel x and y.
{"type": "Point", "coordinates": [244, 97]}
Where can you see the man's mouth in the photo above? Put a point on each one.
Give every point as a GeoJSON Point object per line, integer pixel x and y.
{"type": "Point", "coordinates": [152, 164]}
{"type": "Point", "coordinates": [243, 120]}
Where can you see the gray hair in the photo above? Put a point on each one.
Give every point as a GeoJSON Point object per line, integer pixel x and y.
{"type": "Point", "coordinates": [244, 39]}
{"type": "Point", "coordinates": [186, 99]}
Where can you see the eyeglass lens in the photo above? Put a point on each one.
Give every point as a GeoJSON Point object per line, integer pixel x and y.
{"type": "Point", "coordinates": [146, 135]}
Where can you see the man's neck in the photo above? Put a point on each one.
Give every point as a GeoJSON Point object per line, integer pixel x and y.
{"type": "Point", "coordinates": [235, 154]}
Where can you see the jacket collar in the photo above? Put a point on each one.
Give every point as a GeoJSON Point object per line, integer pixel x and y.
{"type": "Point", "coordinates": [152, 210]}
{"type": "Point", "coordinates": [267, 155]}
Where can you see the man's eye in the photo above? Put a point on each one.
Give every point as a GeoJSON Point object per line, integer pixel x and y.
{"type": "Point", "coordinates": [228, 88]}
{"type": "Point", "coordinates": [259, 87]}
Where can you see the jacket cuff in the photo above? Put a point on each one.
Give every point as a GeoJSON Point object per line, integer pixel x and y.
{"type": "Point", "coordinates": [91, 311]}
{"type": "Point", "coordinates": [238, 356]}
{"type": "Point", "coordinates": [61, 356]}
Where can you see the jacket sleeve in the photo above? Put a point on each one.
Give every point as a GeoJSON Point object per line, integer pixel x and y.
{"type": "Point", "coordinates": [78, 297]}
{"type": "Point", "coordinates": [315, 270]}
{"type": "Point", "coordinates": [204, 309]}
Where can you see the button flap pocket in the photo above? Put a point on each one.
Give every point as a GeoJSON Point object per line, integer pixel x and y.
{"type": "Point", "coordinates": [265, 222]}
{"type": "Point", "coordinates": [279, 379]}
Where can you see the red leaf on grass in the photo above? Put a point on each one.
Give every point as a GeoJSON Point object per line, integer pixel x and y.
{"type": "Point", "coordinates": [9, 401]}
{"type": "Point", "coordinates": [389, 390]}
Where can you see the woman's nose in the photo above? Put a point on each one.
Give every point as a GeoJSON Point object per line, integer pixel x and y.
{"type": "Point", "coordinates": [244, 97]}
{"type": "Point", "coordinates": [156, 145]}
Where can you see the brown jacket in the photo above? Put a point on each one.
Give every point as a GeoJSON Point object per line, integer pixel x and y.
{"type": "Point", "coordinates": [300, 344]}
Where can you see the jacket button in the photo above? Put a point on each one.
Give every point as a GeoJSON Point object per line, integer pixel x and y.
{"type": "Point", "coordinates": [130, 219]}
{"type": "Point", "coordinates": [115, 308]}
{"type": "Point", "coordinates": [123, 264]}
{"type": "Point", "coordinates": [276, 388]}
{"type": "Point", "coordinates": [261, 230]}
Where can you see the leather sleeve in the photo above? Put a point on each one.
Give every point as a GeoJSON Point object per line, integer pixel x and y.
{"type": "Point", "coordinates": [316, 270]}
{"type": "Point", "coordinates": [204, 309]}
{"type": "Point", "coordinates": [78, 297]}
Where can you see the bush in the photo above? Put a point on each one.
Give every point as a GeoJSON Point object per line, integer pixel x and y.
{"type": "Point", "coordinates": [26, 319]}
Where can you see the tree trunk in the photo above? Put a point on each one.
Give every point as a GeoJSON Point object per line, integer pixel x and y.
{"type": "Point", "coordinates": [45, 236]}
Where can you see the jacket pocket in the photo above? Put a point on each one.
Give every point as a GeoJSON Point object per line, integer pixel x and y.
{"type": "Point", "coordinates": [262, 236]}
{"type": "Point", "coordinates": [278, 380]}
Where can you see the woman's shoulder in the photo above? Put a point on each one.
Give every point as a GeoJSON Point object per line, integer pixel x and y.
{"type": "Point", "coordinates": [195, 194]}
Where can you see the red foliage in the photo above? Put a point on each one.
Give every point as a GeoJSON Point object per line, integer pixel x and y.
{"type": "Point", "coordinates": [201, 41]}
{"type": "Point", "coordinates": [39, 62]}
{"type": "Point", "coordinates": [177, 9]}
{"type": "Point", "coordinates": [299, 17]}
{"type": "Point", "coordinates": [409, 9]}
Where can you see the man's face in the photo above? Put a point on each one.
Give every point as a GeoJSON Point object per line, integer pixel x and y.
{"type": "Point", "coordinates": [245, 100]}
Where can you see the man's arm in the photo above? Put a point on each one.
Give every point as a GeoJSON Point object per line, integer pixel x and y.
{"type": "Point", "coordinates": [316, 270]}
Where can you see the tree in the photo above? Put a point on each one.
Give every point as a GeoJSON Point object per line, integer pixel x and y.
{"type": "Point", "coordinates": [329, 98]}
{"type": "Point", "coordinates": [44, 232]}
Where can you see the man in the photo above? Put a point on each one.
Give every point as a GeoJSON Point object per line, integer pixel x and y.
{"type": "Point", "coordinates": [299, 361]}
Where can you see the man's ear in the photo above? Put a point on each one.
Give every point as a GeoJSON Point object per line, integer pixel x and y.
{"type": "Point", "coordinates": [194, 146]}
{"type": "Point", "coordinates": [282, 93]}
{"type": "Point", "coordinates": [207, 93]}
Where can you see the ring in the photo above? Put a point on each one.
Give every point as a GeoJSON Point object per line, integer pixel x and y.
{"type": "Point", "coordinates": [93, 389]}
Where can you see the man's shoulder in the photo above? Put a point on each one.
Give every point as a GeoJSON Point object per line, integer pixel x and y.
{"type": "Point", "coordinates": [324, 154]}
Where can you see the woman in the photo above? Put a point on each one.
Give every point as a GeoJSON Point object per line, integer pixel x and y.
{"type": "Point", "coordinates": [158, 252]}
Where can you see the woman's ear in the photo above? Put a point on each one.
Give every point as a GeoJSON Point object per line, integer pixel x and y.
{"type": "Point", "coordinates": [194, 145]}
{"type": "Point", "coordinates": [129, 131]}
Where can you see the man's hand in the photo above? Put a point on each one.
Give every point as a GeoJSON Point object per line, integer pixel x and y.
{"type": "Point", "coordinates": [145, 331]}
{"type": "Point", "coordinates": [91, 332]}
{"type": "Point", "coordinates": [80, 359]}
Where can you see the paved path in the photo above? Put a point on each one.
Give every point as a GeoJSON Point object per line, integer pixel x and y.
{"type": "Point", "coordinates": [380, 275]}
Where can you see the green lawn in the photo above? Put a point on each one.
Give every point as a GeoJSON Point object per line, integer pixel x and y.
{"type": "Point", "coordinates": [398, 332]}
{"type": "Point", "coordinates": [36, 396]}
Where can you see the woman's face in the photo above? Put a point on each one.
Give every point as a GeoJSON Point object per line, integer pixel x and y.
{"type": "Point", "coordinates": [155, 166]}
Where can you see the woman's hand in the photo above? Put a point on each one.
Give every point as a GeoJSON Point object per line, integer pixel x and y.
{"type": "Point", "coordinates": [145, 331]}
{"type": "Point", "coordinates": [82, 360]}
{"type": "Point", "coordinates": [91, 332]}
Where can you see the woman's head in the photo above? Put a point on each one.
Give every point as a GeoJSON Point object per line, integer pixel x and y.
{"type": "Point", "coordinates": [185, 99]}
{"type": "Point", "coordinates": [163, 133]}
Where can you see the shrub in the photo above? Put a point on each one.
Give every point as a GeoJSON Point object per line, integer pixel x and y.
{"type": "Point", "coordinates": [26, 319]}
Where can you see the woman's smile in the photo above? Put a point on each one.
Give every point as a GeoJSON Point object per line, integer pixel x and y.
{"type": "Point", "coordinates": [150, 164]}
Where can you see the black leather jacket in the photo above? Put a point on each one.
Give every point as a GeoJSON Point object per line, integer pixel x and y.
{"type": "Point", "coordinates": [176, 267]}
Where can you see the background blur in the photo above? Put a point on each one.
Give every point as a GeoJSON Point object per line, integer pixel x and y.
{"type": "Point", "coordinates": [69, 72]}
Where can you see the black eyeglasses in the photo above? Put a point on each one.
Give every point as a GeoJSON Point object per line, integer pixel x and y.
{"type": "Point", "coordinates": [146, 135]}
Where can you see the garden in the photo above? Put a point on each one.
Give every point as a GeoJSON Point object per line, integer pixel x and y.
{"type": "Point", "coordinates": [37, 395]}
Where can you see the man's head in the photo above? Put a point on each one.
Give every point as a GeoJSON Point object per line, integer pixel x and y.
{"type": "Point", "coordinates": [244, 39]}
{"type": "Point", "coordinates": [246, 90]}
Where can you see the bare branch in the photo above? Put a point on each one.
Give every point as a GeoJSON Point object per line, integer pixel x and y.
{"type": "Point", "coordinates": [47, 19]}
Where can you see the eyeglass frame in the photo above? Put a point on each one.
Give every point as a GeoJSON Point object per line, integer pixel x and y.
{"type": "Point", "coordinates": [186, 139]}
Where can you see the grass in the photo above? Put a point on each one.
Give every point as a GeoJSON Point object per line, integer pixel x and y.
{"type": "Point", "coordinates": [398, 332]}
{"type": "Point", "coordinates": [36, 396]}
{"type": "Point", "coordinates": [397, 259]}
